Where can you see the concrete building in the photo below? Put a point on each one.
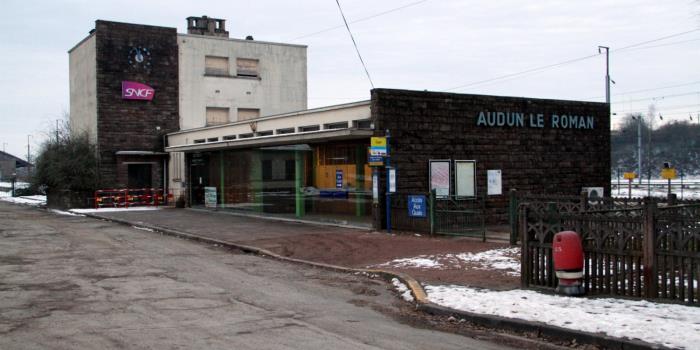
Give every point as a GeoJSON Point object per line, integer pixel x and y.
{"type": "Point", "coordinates": [132, 84]}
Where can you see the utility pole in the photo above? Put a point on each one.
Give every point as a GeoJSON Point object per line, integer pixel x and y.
{"type": "Point", "coordinates": [607, 72]}
{"type": "Point", "coordinates": [639, 148]}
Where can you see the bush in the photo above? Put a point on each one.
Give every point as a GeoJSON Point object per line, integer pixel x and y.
{"type": "Point", "coordinates": [66, 163]}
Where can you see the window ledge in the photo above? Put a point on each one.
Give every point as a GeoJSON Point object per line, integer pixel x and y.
{"type": "Point", "coordinates": [212, 75]}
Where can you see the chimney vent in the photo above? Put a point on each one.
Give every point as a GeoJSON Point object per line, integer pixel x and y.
{"type": "Point", "coordinates": [207, 26]}
{"type": "Point", "coordinates": [249, 37]}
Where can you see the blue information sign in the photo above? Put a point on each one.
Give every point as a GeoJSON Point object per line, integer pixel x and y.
{"type": "Point", "coordinates": [417, 206]}
{"type": "Point", "coordinates": [339, 178]}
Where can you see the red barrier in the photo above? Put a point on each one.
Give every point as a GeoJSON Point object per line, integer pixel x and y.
{"type": "Point", "coordinates": [129, 197]}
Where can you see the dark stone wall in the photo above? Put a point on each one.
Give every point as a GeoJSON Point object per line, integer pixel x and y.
{"type": "Point", "coordinates": [432, 125]}
{"type": "Point", "coordinates": [132, 125]}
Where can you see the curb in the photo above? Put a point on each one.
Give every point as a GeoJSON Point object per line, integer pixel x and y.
{"type": "Point", "coordinates": [422, 303]}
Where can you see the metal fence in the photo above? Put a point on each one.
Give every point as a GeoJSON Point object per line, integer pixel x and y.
{"type": "Point", "coordinates": [651, 251]}
{"type": "Point", "coordinates": [446, 216]}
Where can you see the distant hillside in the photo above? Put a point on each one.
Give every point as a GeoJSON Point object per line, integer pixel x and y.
{"type": "Point", "coordinates": [675, 142]}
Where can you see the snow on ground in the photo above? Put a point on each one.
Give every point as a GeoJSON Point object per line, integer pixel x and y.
{"type": "Point", "coordinates": [105, 210]}
{"type": "Point", "coordinates": [505, 259]}
{"type": "Point", "coordinates": [28, 200]}
{"type": "Point", "coordinates": [642, 192]}
{"type": "Point", "coordinates": [670, 325]}
{"type": "Point", "coordinates": [18, 184]}
{"type": "Point", "coordinates": [402, 289]}
{"type": "Point", "coordinates": [61, 212]}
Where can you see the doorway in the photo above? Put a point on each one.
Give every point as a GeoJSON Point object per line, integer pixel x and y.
{"type": "Point", "coordinates": [140, 176]}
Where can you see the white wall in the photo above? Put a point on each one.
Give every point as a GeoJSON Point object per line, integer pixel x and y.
{"type": "Point", "coordinates": [82, 70]}
{"type": "Point", "coordinates": [281, 86]}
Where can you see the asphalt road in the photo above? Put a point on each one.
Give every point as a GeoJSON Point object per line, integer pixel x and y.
{"type": "Point", "coordinates": [79, 283]}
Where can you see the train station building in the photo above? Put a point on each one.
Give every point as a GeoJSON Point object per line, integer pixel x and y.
{"type": "Point", "coordinates": [223, 124]}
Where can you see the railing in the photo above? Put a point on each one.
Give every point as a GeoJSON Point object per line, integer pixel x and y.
{"type": "Point", "coordinates": [129, 197]}
{"type": "Point", "coordinates": [646, 252]}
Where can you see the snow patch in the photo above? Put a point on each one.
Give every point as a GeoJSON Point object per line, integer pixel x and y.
{"type": "Point", "coordinates": [143, 228]}
{"type": "Point", "coordinates": [27, 200]}
{"type": "Point", "coordinates": [669, 325]}
{"type": "Point", "coordinates": [105, 210]}
{"type": "Point", "coordinates": [61, 212]}
{"type": "Point", "coordinates": [402, 289]}
{"type": "Point", "coordinates": [505, 259]}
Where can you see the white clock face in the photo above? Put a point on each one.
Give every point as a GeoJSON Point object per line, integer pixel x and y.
{"type": "Point", "coordinates": [140, 57]}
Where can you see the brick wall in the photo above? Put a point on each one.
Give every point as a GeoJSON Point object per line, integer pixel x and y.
{"type": "Point", "coordinates": [131, 125]}
{"type": "Point", "coordinates": [431, 125]}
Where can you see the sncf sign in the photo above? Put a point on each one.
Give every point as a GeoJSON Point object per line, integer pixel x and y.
{"type": "Point", "coordinates": [132, 90]}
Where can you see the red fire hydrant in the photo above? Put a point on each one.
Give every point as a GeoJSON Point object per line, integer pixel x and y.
{"type": "Point", "coordinates": [568, 262]}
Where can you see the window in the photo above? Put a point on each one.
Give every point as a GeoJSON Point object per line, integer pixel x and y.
{"type": "Point", "coordinates": [285, 131]}
{"type": "Point", "coordinates": [309, 128]}
{"type": "Point", "coordinates": [199, 141]}
{"type": "Point", "coordinates": [212, 139]}
{"type": "Point", "coordinates": [340, 125]}
{"type": "Point", "coordinates": [246, 67]}
{"type": "Point", "coordinates": [465, 171]}
{"type": "Point", "coordinates": [229, 137]}
{"type": "Point", "coordinates": [217, 116]}
{"type": "Point", "coordinates": [245, 136]}
{"type": "Point", "coordinates": [248, 113]}
{"type": "Point", "coordinates": [363, 124]}
{"type": "Point", "coordinates": [214, 65]}
{"type": "Point", "coordinates": [264, 133]}
{"type": "Point", "coordinates": [289, 169]}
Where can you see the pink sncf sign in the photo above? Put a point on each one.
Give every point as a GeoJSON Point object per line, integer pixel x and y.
{"type": "Point", "coordinates": [132, 90]}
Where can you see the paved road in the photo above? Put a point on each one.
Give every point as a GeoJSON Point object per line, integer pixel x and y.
{"type": "Point", "coordinates": [79, 283]}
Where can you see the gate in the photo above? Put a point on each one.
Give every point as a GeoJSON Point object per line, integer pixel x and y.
{"type": "Point", "coordinates": [446, 216]}
{"type": "Point", "coordinates": [458, 216]}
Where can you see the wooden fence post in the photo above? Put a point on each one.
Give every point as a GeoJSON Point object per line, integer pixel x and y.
{"type": "Point", "coordinates": [524, 250]}
{"type": "Point", "coordinates": [649, 250]}
{"type": "Point", "coordinates": [584, 201]}
{"type": "Point", "coordinates": [513, 216]}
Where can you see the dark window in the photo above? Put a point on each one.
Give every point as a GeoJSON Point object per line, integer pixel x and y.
{"type": "Point", "coordinates": [264, 133]}
{"type": "Point", "coordinates": [139, 175]}
{"type": "Point", "coordinates": [245, 136]}
{"type": "Point", "coordinates": [229, 137]}
{"type": "Point", "coordinates": [363, 124]}
{"type": "Point", "coordinates": [341, 125]}
{"type": "Point", "coordinates": [267, 169]}
{"type": "Point", "coordinates": [199, 141]}
{"type": "Point", "coordinates": [309, 128]}
{"type": "Point", "coordinates": [212, 139]}
{"type": "Point", "coordinates": [289, 166]}
{"type": "Point", "coordinates": [285, 131]}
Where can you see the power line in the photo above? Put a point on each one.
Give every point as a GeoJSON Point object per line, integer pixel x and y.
{"type": "Point", "coordinates": [661, 97]}
{"type": "Point", "coordinates": [630, 92]}
{"type": "Point", "coordinates": [549, 66]}
{"type": "Point", "coordinates": [362, 19]}
{"type": "Point", "coordinates": [354, 43]}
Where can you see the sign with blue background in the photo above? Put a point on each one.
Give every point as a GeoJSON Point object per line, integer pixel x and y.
{"type": "Point", "coordinates": [339, 178]}
{"type": "Point", "coordinates": [417, 206]}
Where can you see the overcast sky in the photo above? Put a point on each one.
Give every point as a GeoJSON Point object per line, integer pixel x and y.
{"type": "Point", "coordinates": [441, 45]}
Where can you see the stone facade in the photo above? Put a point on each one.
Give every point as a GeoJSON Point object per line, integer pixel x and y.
{"type": "Point", "coordinates": [134, 125]}
{"type": "Point", "coordinates": [544, 160]}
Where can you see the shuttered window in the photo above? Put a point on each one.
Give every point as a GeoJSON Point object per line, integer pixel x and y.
{"type": "Point", "coordinates": [246, 67]}
{"type": "Point", "coordinates": [248, 113]}
{"type": "Point", "coordinates": [216, 65]}
{"type": "Point", "coordinates": [217, 116]}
